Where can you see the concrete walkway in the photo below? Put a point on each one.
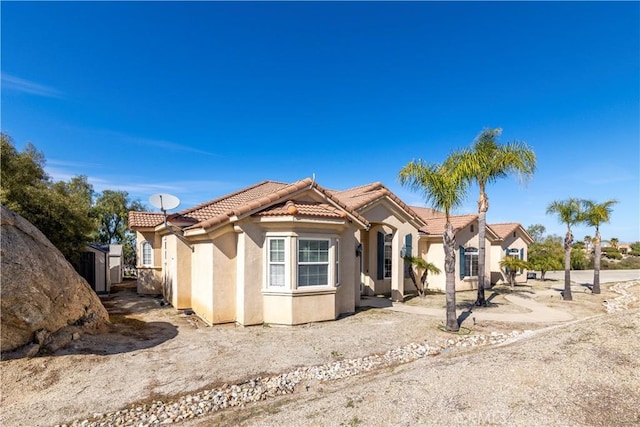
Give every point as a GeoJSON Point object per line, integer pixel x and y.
{"type": "Point", "coordinates": [538, 313]}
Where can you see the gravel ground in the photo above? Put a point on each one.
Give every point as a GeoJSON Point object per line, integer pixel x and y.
{"type": "Point", "coordinates": [154, 356]}
{"type": "Point", "coordinates": [584, 373]}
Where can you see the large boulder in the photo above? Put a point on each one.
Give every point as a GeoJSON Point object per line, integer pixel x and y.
{"type": "Point", "coordinates": [43, 301]}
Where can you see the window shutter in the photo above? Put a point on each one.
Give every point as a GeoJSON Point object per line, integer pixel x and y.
{"type": "Point", "coordinates": [408, 252]}
{"type": "Point", "coordinates": [462, 272]}
{"type": "Point", "coordinates": [380, 255]}
{"type": "Point", "coordinates": [506, 254]}
{"type": "Point", "coordinates": [407, 245]}
{"type": "Point", "coordinates": [522, 258]}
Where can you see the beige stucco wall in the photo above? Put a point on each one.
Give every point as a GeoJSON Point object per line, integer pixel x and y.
{"type": "Point", "coordinates": [224, 278]}
{"type": "Point", "coordinates": [499, 252]}
{"type": "Point", "coordinates": [298, 308]}
{"type": "Point", "coordinates": [388, 219]}
{"type": "Point", "coordinates": [249, 273]}
{"type": "Point", "coordinates": [347, 295]}
{"type": "Point", "coordinates": [202, 280]}
{"type": "Point", "coordinates": [433, 251]}
{"type": "Point", "coordinates": [149, 277]}
{"type": "Point", "coordinates": [176, 273]}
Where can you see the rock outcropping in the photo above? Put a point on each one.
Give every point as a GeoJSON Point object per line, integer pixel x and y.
{"type": "Point", "coordinates": [43, 301]}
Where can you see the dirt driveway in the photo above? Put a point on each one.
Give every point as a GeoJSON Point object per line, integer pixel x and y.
{"type": "Point", "coordinates": [154, 352]}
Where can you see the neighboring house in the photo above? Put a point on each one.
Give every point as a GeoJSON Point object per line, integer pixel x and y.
{"type": "Point", "coordinates": [624, 248]}
{"type": "Point", "coordinates": [293, 253]}
{"type": "Point", "coordinates": [513, 240]}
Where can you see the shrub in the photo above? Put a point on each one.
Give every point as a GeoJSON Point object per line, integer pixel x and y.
{"type": "Point", "coordinates": [611, 253]}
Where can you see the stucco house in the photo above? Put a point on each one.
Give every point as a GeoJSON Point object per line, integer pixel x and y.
{"type": "Point", "coordinates": [513, 240]}
{"type": "Point", "coordinates": [288, 253]}
{"type": "Point", "coordinates": [431, 248]}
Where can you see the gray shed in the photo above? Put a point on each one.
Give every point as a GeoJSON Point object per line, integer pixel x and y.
{"type": "Point", "coordinates": [115, 264]}
{"type": "Point", "coordinates": [94, 267]}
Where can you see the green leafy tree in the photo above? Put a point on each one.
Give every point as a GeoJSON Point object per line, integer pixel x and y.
{"type": "Point", "coordinates": [444, 187]}
{"type": "Point", "coordinates": [595, 215]}
{"type": "Point", "coordinates": [570, 213]}
{"type": "Point", "coordinates": [59, 210]}
{"type": "Point", "coordinates": [635, 249]}
{"type": "Point", "coordinates": [579, 259]}
{"type": "Point", "coordinates": [484, 163]}
{"type": "Point", "coordinates": [546, 255]}
{"type": "Point", "coordinates": [111, 211]}
{"type": "Point", "coordinates": [536, 231]}
{"type": "Point", "coordinates": [421, 266]}
{"type": "Point", "coordinates": [512, 265]}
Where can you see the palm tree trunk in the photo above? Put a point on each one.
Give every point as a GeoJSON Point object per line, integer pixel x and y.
{"type": "Point", "coordinates": [483, 206]}
{"type": "Point", "coordinates": [412, 275]}
{"type": "Point", "coordinates": [596, 263]}
{"type": "Point", "coordinates": [568, 239]}
{"type": "Point", "coordinates": [450, 273]}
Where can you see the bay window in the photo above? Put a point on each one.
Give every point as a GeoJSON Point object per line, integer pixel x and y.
{"type": "Point", "coordinates": [294, 262]}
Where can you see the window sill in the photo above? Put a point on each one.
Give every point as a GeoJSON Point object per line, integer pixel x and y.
{"type": "Point", "coordinates": [306, 291]}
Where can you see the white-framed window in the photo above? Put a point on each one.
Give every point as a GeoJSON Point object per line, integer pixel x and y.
{"type": "Point", "coordinates": [276, 262]}
{"type": "Point", "coordinates": [388, 238]}
{"type": "Point", "coordinates": [471, 261]}
{"type": "Point", "coordinates": [514, 253]}
{"type": "Point", "coordinates": [313, 262]}
{"type": "Point", "coordinates": [147, 253]}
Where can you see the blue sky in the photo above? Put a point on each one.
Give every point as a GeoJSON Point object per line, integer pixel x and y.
{"type": "Point", "coordinates": [203, 98]}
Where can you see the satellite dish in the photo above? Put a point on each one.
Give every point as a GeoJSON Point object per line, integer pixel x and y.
{"type": "Point", "coordinates": [164, 202]}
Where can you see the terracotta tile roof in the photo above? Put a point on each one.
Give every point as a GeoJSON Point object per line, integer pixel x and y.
{"type": "Point", "coordinates": [229, 202]}
{"type": "Point", "coordinates": [145, 219]}
{"type": "Point", "coordinates": [242, 202]}
{"type": "Point", "coordinates": [265, 194]}
{"type": "Point", "coordinates": [426, 213]}
{"type": "Point", "coordinates": [435, 225]}
{"type": "Point", "coordinates": [504, 229]}
{"type": "Point", "coordinates": [359, 197]}
{"type": "Point", "coordinates": [308, 209]}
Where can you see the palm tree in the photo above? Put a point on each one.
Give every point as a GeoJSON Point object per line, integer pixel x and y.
{"type": "Point", "coordinates": [614, 242]}
{"type": "Point", "coordinates": [444, 187]}
{"type": "Point", "coordinates": [426, 267]}
{"type": "Point", "coordinates": [511, 266]}
{"type": "Point", "coordinates": [484, 163]}
{"type": "Point", "coordinates": [596, 214]}
{"type": "Point", "coordinates": [588, 241]}
{"type": "Point", "coordinates": [569, 212]}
